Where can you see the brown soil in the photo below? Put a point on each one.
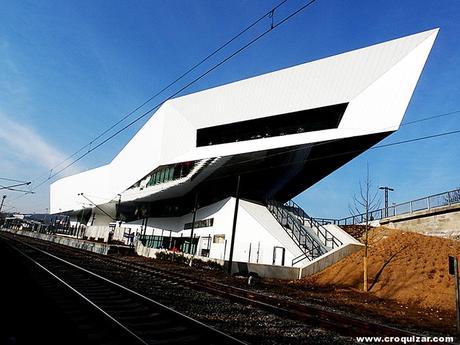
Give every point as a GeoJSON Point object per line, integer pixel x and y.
{"type": "Point", "coordinates": [406, 269]}
{"type": "Point", "coordinates": [354, 230]}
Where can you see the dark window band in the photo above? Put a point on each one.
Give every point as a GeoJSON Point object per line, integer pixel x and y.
{"type": "Point", "coordinates": [272, 126]}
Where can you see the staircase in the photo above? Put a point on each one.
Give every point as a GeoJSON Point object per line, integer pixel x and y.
{"type": "Point", "coordinates": [311, 237]}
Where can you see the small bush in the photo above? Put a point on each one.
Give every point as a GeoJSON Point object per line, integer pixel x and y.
{"type": "Point", "coordinates": [168, 256]}
{"type": "Point", "coordinates": [214, 266]}
{"type": "Point", "coordinates": [207, 265]}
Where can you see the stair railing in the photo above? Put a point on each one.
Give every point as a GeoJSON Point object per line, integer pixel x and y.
{"type": "Point", "coordinates": [327, 237]}
{"type": "Point", "coordinates": [310, 247]}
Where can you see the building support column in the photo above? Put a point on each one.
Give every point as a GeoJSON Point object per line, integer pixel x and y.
{"type": "Point", "coordinates": [195, 207]}
{"type": "Point", "coordinates": [235, 217]}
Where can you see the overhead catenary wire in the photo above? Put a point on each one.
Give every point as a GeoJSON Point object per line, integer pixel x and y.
{"type": "Point", "coordinates": [137, 119]}
{"type": "Point", "coordinates": [302, 147]}
{"type": "Point", "coordinates": [159, 92]}
{"type": "Point", "coordinates": [335, 154]}
{"type": "Point", "coordinates": [322, 157]}
{"type": "Point", "coordinates": [12, 180]}
{"type": "Point", "coordinates": [223, 61]}
{"type": "Point", "coordinates": [269, 14]}
{"type": "Point", "coordinates": [348, 152]}
{"type": "Point", "coordinates": [432, 117]}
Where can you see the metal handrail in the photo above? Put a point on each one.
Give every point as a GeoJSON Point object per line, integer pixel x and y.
{"type": "Point", "coordinates": [299, 258]}
{"type": "Point", "coordinates": [296, 231]}
{"type": "Point", "coordinates": [321, 231]}
{"type": "Point", "coordinates": [451, 197]}
{"type": "Point", "coordinates": [309, 246]}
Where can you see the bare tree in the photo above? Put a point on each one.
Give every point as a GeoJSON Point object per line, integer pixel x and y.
{"type": "Point", "coordinates": [364, 204]}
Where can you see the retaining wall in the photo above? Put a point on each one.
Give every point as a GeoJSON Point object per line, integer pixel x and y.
{"type": "Point", "coordinates": [100, 248]}
{"type": "Point", "coordinates": [267, 271]}
{"type": "Point", "coordinates": [329, 259]}
{"type": "Point", "coordinates": [441, 221]}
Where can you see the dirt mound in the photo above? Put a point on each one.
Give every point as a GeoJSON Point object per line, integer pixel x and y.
{"type": "Point", "coordinates": [405, 267]}
{"type": "Point", "coordinates": [356, 231]}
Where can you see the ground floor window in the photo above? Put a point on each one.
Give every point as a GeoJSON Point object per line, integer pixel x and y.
{"type": "Point", "coordinates": [219, 238]}
{"type": "Point", "coordinates": [204, 223]}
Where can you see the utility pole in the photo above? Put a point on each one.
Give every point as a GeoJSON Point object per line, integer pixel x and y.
{"type": "Point", "coordinates": [453, 270]}
{"type": "Point", "coordinates": [1, 205]}
{"type": "Point", "coordinates": [235, 216]}
{"type": "Point", "coordinates": [386, 189]}
{"type": "Point", "coordinates": [195, 207]}
{"type": "Point", "coordinates": [118, 210]}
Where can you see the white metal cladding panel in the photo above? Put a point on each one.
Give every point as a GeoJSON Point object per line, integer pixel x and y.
{"type": "Point", "coordinates": [164, 137]}
{"type": "Point", "coordinates": [159, 142]}
{"type": "Point", "coordinates": [63, 193]}
{"type": "Point", "coordinates": [141, 155]}
{"type": "Point", "coordinates": [179, 136]}
{"type": "Point", "coordinates": [382, 105]}
{"type": "Point", "coordinates": [323, 82]}
{"type": "Point", "coordinates": [170, 135]}
{"type": "Point", "coordinates": [266, 220]}
{"type": "Point", "coordinates": [378, 108]}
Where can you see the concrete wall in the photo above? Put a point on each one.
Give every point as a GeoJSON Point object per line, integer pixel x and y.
{"type": "Point", "coordinates": [99, 248]}
{"type": "Point", "coordinates": [329, 259]}
{"type": "Point", "coordinates": [266, 271]}
{"type": "Point", "coordinates": [101, 233]}
{"type": "Point", "coordinates": [442, 221]}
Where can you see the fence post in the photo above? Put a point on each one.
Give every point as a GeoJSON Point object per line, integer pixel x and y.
{"type": "Point", "coordinates": [428, 202]}
{"type": "Point", "coordinates": [410, 206]}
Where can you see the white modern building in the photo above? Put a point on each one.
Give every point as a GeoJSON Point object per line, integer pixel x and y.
{"type": "Point", "coordinates": [281, 132]}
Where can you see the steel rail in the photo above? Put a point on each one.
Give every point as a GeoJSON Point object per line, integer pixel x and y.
{"type": "Point", "coordinates": [335, 321]}
{"type": "Point", "coordinates": [222, 337]}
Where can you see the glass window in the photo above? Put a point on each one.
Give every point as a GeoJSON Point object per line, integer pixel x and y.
{"type": "Point", "coordinates": [200, 223]}
{"type": "Point", "coordinates": [327, 117]}
{"type": "Point", "coordinates": [219, 238]}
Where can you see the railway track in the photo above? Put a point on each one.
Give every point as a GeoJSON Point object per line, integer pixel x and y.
{"type": "Point", "coordinates": [338, 322]}
{"type": "Point", "coordinates": [315, 316]}
{"type": "Point", "coordinates": [109, 313]}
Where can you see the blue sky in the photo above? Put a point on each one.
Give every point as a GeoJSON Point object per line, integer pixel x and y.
{"type": "Point", "coordinates": [69, 69]}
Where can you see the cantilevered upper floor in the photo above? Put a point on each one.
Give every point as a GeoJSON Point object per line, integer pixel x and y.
{"type": "Point", "coordinates": [282, 131]}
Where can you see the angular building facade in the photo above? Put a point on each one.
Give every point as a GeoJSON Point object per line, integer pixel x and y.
{"type": "Point", "coordinates": [281, 132]}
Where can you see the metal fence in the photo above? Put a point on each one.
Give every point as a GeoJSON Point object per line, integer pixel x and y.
{"type": "Point", "coordinates": [427, 203]}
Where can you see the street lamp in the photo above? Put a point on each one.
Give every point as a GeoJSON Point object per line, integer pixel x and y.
{"type": "Point", "coordinates": [386, 190]}
{"type": "Point", "coordinates": [1, 205]}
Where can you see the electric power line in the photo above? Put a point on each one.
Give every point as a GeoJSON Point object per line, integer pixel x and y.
{"type": "Point", "coordinates": [343, 153]}
{"type": "Point", "coordinates": [156, 94]}
{"type": "Point", "coordinates": [302, 147]}
{"type": "Point", "coordinates": [455, 112]}
{"type": "Point", "coordinates": [331, 155]}
{"type": "Point", "coordinates": [274, 26]}
{"type": "Point", "coordinates": [12, 180]}
{"type": "Point", "coordinates": [52, 175]}
{"type": "Point", "coordinates": [323, 157]}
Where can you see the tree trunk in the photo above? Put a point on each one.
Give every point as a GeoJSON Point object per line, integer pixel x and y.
{"type": "Point", "coordinates": [365, 273]}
